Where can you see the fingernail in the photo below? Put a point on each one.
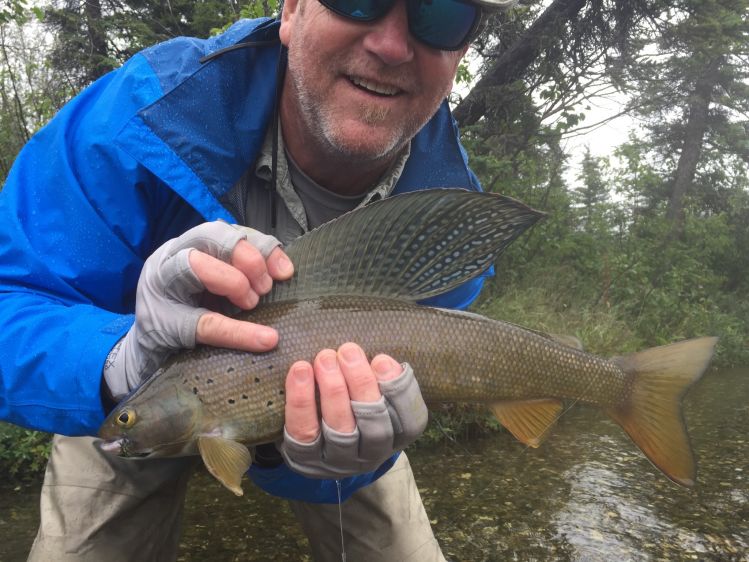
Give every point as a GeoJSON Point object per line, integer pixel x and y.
{"type": "Point", "coordinates": [251, 300]}
{"type": "Point", "coordinates": [385, 368]}
{"type": "Point", "coordinates": [266, 282]}
{"type": "Point", "coordinates": [267, 337]}
{"type": "Point", "coordinates": [328, 360]}
{"type": "Point", "coordinates": [351, 353]}
{"type": "Point", "coordinates": [285, 265]}
{"type": "Point", "coordinates": [302, 373]}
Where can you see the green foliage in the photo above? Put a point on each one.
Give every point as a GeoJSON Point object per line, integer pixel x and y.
{"type": "Point", "coordinates": [457, 422]}
{"type": "Point", "coordinates": [553, 304]}
{"type": "Point", "coordinates": [611, 273]}
{"type": "Point", "coordinates": [23, 453]}
{"type": "Point", "coordinates": [252, 9]}
{"type": "Point", "coordinates": [609, 249]}
{"type": "Point", "coordinates": [463, 75]}
{"type": "Point", "coordinates": [96, 36]}
{"type": "Point", "coordinates": [13, 10]}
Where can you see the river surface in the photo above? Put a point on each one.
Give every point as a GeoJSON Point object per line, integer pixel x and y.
{"type": "Point", "coordinates": [586, 495]}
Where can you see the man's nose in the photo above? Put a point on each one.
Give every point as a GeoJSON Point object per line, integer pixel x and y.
{"type": "Point", "coordinates": [389, 39]}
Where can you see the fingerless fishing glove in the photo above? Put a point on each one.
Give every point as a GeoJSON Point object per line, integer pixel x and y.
{"type": "Point", "coordinates": [392, 423]}
{"type": "Point", "coordinates": [167, 306]}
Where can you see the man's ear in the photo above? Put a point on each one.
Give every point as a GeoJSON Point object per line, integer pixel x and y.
{"type": "Point", "coordinates": [290, 9]}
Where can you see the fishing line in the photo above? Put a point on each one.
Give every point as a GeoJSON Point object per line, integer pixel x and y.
{"type": "Point", "coordinates": [340, 520]}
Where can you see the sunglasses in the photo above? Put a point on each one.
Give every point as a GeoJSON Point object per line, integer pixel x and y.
{"type": "Point", "coordinates": [442, 24]}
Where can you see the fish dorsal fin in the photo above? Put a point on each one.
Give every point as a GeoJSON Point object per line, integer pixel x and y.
{"type": "Point", "coordinates": [227, 460]}
{"type": "Point", "coordinates": [568, 340]}
{"type": "Point", "coordinates": [411, 246]}
{"type": "Point", "coordinates": [529, 421]}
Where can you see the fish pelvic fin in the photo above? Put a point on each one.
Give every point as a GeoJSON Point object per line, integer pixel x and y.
{"type": "Point", "coordinates": [226, 460]}
{"type": "Point", "coordinates": [529, 421]}
{"type": "Point", "coordinates": [653, 416]}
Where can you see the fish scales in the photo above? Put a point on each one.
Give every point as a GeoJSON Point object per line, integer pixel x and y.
{"type": "Point", "coordinates": [456, 357]}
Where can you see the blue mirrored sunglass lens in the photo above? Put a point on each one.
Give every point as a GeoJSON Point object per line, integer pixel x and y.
{"type": "Point", "coordinates": [444, 24]}
{"type": "Point", "coordinates": [362, 10]}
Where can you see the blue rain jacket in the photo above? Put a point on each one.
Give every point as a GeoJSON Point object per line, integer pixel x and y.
{"type": "Point", "coordinates": [137, 158]}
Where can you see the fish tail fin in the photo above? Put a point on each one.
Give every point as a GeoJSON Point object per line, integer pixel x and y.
{"type": "Point", "coordinates": [652, 416]}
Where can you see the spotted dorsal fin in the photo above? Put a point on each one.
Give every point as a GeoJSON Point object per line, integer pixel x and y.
{"type": "Point", "coordinates": [411, 246]}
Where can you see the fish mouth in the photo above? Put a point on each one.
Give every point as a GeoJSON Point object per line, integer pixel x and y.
{"type": "Point", "coordinates": [122, 447]}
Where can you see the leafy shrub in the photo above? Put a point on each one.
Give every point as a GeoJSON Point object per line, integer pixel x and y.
{"type": "Point", "coordinates": [23, 453]}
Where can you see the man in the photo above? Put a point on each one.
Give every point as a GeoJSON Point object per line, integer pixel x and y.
{"type": "Point", "coordinates": [116, 206]}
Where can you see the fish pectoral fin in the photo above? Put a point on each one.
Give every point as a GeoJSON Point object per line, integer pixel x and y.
{"type": "Point", "coordinates": [227, 460]}
{"type": "Point", "coordinates": [529, 421]}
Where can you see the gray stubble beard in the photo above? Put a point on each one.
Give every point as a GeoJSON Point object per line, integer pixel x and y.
{"type": "Point", "coordinates": [321, 122]}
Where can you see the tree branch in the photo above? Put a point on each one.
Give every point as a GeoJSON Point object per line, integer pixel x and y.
{"type": "Point", "coordinates": [511, 65]}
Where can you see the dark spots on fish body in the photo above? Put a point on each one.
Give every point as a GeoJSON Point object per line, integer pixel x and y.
{"type": "Point", "coordinates": [270, 367]}
{"type": "Point", "coordinates": [245, 397]}
{"type": "Point", "coordinates": [270, 403]}
{"type": "Point", "coordinates": [197, 377]}
{"type": "Point", "coordinates": [281, 392]}
{"type": "Point", "coordinates": [257, 379]}
{"type": "Point", "coordinates": [194, 389]}
{"type": "Point", "coordinates": [231, 401]}
{"type": "Point", "coordinates": [230, 370]}
{"type": "Point", "coordinates": [209, 381]}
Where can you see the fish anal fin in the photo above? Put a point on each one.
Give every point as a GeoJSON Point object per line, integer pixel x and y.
{"type": "Point", "coordinates": [529, 421]}
{"type": "Point", "coordinates": [652, 416]}
{"type": "Point", "coordinates": [226, 460]}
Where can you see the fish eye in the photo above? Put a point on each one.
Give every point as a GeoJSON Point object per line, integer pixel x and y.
{"type": "Point", "coordinates": [126, 418]}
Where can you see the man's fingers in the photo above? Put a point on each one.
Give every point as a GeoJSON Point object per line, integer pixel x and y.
{"type": "Point", "coordinates": [247, 259]}
{"type": "Point", "coordinates": [301, 407]}
{"type": "Point", "coordinates": [248, 276]}
{"type": "Point", "coordinates": [257, 269]}
{"type": "Point", "coordinates": [222, 279]}
{"type": "Point", "coordinates": [335, 403]}
{"type": "Point", "coordinates": [218, 330]}
{"type": "Point", "coordinates": [386, 368]}
{"type": "Point", "coordinates": [360, 380]}
{"type": "Point", "coordinates": [279, 265]}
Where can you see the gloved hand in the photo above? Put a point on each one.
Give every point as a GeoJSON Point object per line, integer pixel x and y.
{"type": "Point", "coordinates": [369, 411]}
{"type": "Point", "coordinates": [231, 261]}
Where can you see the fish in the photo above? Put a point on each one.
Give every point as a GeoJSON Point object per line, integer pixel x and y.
{"type": "Point", "coordinates": [363, 277]}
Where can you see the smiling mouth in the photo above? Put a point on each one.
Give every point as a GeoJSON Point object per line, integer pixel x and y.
{"type": "Point", "coordinates": [372, 87]}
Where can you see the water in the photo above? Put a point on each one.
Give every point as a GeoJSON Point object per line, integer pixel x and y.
{"type": "Point", "coordinates": [586, 494]}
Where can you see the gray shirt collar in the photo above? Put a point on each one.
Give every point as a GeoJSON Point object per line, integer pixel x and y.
{"type": "Point", "coordinates": [285, 188]}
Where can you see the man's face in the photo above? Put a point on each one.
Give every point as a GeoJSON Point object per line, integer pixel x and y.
{"type": "Point", "coordinates": [359, 90]}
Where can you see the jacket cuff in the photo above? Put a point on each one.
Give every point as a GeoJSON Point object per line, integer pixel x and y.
{"type": "Point", "coordinates": [282, 482]}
